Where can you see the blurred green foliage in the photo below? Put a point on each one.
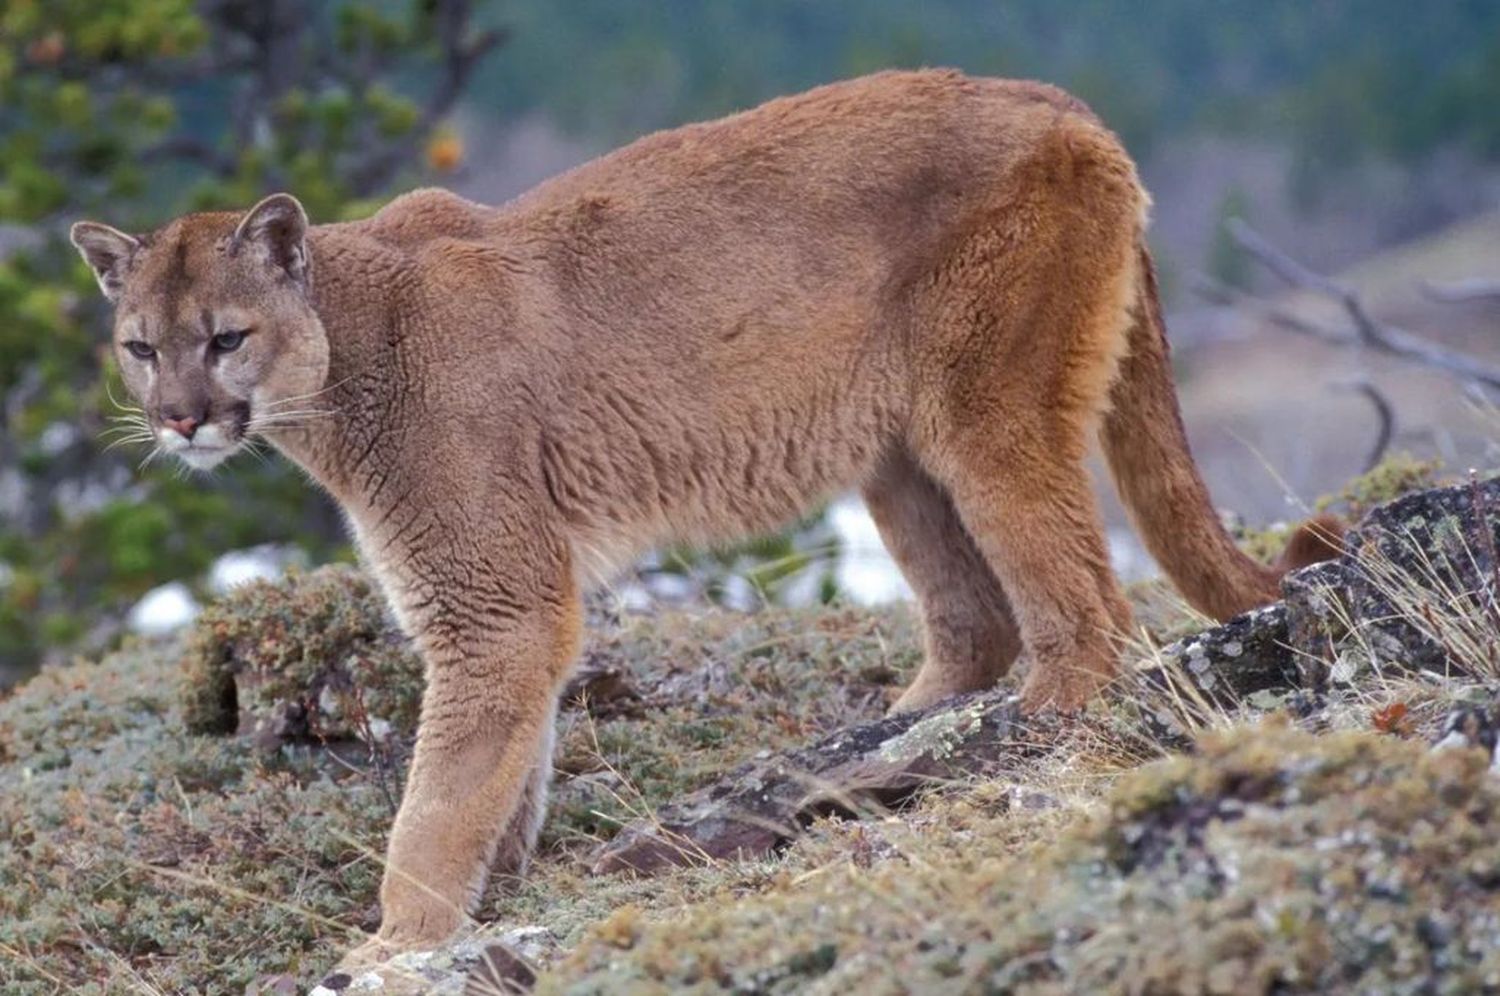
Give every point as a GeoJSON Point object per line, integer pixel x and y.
{"type": "Point", "coordinates": [133, 111]}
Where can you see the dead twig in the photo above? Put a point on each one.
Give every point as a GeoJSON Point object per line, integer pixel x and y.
{"type": "Point", "coordinates": [1366, 331]}
{"type": "Point", "coordinates": [1385, 414]}
{"type": "Point", "coordinates": [1459, 291]}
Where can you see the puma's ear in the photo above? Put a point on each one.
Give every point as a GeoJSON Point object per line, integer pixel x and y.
{"type": "Point", "coordinates": [276, 228]}
{"type": "Point", "coordinates": [108, 252]}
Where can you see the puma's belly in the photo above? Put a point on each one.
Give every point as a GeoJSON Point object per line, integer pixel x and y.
{"type": "Point", "coordinates": [638, 461]}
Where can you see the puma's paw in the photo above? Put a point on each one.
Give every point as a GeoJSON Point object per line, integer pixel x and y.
{"type": "Point", "coordinates": [922, 694]}
{"type": "Point", "coordinates": [1065, 696]}
{"type": "Point", "coordinates": [373, 953]}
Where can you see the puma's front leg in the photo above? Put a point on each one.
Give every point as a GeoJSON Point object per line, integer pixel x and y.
{"type": "Point", "coordinates": [498, 631]}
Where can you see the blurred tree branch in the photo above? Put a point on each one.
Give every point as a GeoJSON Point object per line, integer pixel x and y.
{"type": "Point", "coordinates": [1366, 330]}
{"type": "Point", "coordinates": [1458, 291]}
{"type": "Point", "coordinates": [1385, 415]}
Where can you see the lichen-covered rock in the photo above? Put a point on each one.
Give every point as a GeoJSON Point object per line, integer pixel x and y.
{"type": "Point", "coordinates": [310, 658]}
{"type": "Point", "coordinates": [1416, 590]}
{"type": "Point", "coordinates": [1423, 578]}
{"type": "Point", "coordinates": [761, 805]}
{"type": "Point", "coordinates": [470, 965]}
{"type": "Point", "coordinates": [1228, 663]}
{"type": "Point", "coordinates": [1268, 860]}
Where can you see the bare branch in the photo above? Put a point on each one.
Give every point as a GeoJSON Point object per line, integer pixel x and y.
{"type": "Point", "coordinates": [1457, 291]}
{"type": "Point", "coordinates": [1377, 335]}
{"type": "Point", "coordinates": [1384, 412]}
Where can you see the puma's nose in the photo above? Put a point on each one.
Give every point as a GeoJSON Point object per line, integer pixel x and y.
{"type": "Point", "coordinates": [185, 427]}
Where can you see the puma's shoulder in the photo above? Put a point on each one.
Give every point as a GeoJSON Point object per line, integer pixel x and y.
{"type": "Point", "coordinates": [421, 216]}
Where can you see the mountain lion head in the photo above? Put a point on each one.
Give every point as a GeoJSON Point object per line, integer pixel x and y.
{"type": "Point", "coordinates": [214, 327]}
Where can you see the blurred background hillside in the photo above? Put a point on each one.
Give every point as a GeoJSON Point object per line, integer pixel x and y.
{"type": "Point", "coordinates": [1358, 136]}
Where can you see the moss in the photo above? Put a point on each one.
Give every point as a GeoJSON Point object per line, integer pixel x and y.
{"type": "Point", "coordinates": [319, 645]}
{"type": "Point", "coordinates": [1270, 860]}
{"type": "Point", "coordinates": [1396, 475]}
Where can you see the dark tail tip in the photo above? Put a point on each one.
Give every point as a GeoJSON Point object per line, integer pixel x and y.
{"type": "Point", "coordinates": [1316, 540]}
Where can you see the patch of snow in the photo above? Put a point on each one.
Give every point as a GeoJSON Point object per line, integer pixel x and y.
{"type": "Point", "coordinates": [739, 594]}
{"type": "Point", "coordinates": [805, 587]}
{"type": "Point", "coordinates": [57, 437]}
{"type": "Point", "coordinates": [259, 563]}
{"type": "Point", "coordinates": [78, 498]}
{"type": "Point", "coordinates": [13, 494]}
{"type": "Point", "coordinates": [163, 610]}
{"type": "Point", "coordinates": [632, 597]}
{"type": "Point", "coordinates": [669, 588]}
{"type": "Point", "coordinates": [1128, 556]}
{"type": "Point", "coordinates": [866, 574]}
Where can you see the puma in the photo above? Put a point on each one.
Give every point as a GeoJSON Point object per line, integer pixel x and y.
{"type": "Point", "coordinates": [930, 287]}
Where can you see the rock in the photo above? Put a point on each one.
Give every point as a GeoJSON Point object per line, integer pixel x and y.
{"type": "Point", "coordinates": [1475, 725]}
{"type": "Point", "coordinates": [482, 961]}
{"type": "Point", "coordinates": [500, 970]}
{"type": "Point", "coordinates": [1440, 542]}
{"type": "Point", "coordinates": [1415, 590]}
{"type": "Point", "coordinates": [1229, 663]}
{"type": "Point", "coordinates": [600, 686]}
{"type": "Point", "coordinates": [759, 806]}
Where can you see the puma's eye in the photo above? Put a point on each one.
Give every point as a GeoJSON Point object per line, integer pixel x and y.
{"type": "Point", "coordinates": [140, 350]}
{"type": "Point", "coordinates": [227, 342]}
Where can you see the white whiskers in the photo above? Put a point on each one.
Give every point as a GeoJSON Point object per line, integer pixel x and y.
{"type": "Point", "coordinates": [273, 405]}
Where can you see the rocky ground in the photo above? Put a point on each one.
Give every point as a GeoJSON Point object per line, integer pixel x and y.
{"type": "Point", "coordinates": [1300, 801]}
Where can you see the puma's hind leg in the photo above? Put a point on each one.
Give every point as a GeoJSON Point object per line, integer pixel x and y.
{"type": "Point", "coordinates": [970, 637]}
{"type": "Point", "coordinates": [1033, 516]}
{"type": "Point", "coordinates": [1027, 322]}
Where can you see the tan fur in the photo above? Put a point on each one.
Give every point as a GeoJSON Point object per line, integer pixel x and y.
{"type": "Point", "coordinates": [928, 286]}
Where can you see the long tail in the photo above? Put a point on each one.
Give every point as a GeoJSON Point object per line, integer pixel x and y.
{"type": "Point", "coordinates": [1147, 450]}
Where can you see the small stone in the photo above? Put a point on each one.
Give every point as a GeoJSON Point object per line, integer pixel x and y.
{"type": "Point", "coordinates": [500, 970]}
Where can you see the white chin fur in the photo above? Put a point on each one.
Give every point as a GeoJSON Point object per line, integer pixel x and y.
{"type": "Point", "coordinates": [201, 458]}
{"type": "Point", "coordinates": [209, 447]}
